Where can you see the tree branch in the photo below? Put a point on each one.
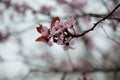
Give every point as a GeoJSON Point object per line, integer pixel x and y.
{"type": "Point", "coordinates": [95, 25]}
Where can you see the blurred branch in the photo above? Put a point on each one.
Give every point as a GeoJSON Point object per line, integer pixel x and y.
{"type": "Point", "coordinates": [71, 5]}
{"type": "Point", "coordinates": [115, 76]}
{"type": "Point", "coordinates": [101, 16]}
{"type": "Point", "coordinates": [64, 76]}
{"type": "Point", "coordinates": [24, 78]}
{"type": "Point", "coordinates": [110, 37]}
{"type": "Point", "coordinates": [86, 71]}
{"type": "Point", "coordinates": [105, 4]}
{"type": "Point", "coordinates": [95, 24]}
{"type": "Point", "coordinates": [75, 70]}
{"type": "Point", "coordinates": [1, 59]}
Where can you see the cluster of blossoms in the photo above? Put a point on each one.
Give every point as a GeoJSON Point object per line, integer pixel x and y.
{"type": "Point", "coordinates": [60, 32]}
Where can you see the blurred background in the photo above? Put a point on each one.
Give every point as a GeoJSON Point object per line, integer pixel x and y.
{"type": "Point", "coordinates": [96, 55]}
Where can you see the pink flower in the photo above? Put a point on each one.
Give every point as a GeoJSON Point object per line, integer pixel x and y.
{"type": "Point", "coordinates": [69, 23]}
{"type": "Point", "coordinates": [45, 34]}
{"type": "Point", "coordinates": [60, 26]}
{"type": "Point", "coordinates": [59, 31]}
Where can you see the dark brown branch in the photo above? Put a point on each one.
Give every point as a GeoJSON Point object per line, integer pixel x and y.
{"type": "Point", "coordinates": [95, 25]}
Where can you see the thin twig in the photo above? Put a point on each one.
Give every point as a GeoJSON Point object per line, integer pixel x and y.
{"type": "Point", "coordinates": [104, 18]}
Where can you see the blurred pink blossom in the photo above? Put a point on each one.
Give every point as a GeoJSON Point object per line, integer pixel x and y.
{"type": "Point", "coordinates": [78, 3]}
{"type": "Point", "coordinates": [45, 9]}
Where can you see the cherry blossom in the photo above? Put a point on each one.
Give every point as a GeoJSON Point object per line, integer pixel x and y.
{"type": "Point", "coordinates": [45, 34]}
{"type": "Point", "coordinates": [61, 32]}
